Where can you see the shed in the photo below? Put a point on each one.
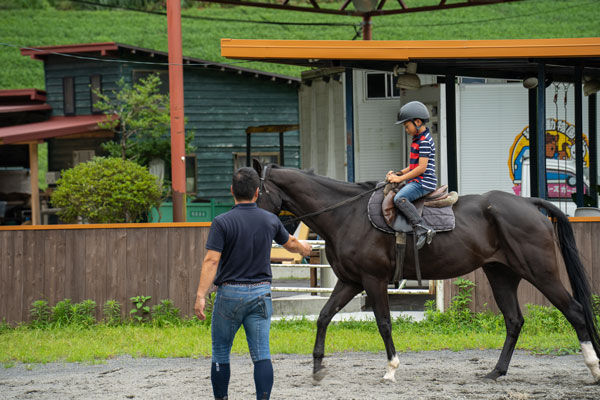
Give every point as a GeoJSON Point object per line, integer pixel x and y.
{"type": "Point", "coordinates": [532, 60]}
{"type": "Point", "coordinates": [221, 101]}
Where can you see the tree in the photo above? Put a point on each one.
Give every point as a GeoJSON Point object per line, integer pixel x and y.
{"type": "Point", "coordinates": [142, 123]}
{"type": "Point", "coordinates": [106, 190]}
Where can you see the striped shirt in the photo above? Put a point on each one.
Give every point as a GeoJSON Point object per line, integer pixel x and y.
{"type": "Point", "coordinates": [423, 146]}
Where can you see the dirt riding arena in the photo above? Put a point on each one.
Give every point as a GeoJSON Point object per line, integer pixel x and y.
{"type": "Point", "coordinates": [425, 375]}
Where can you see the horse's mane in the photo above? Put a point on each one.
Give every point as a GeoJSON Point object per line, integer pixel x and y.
{"type": "Point", "coordinates": [326, 180]}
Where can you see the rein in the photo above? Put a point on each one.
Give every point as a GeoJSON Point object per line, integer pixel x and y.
{"type": "Point", "coordinates": [326, 209]}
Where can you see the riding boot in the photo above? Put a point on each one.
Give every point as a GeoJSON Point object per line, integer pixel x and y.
{"type": "Point", "coordinates": [422, 232]}
{"type": "Point", "coordinates": [221, 398]}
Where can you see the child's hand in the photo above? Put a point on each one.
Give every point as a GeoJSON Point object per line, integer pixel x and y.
{"type": "Point", "coordinates": [393, 178]}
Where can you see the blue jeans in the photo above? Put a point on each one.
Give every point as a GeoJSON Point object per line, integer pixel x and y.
{"type": "Point", "coordinates": [411, 191]}
{"type": "Point", "coordinates": [250, 306]}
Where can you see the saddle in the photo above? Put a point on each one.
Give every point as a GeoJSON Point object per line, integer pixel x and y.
{"type": "Point", "coordinates": [435, 208]}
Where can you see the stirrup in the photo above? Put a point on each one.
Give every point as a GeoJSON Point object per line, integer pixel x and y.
{"type": "Point", "coordinates": [423, 234]}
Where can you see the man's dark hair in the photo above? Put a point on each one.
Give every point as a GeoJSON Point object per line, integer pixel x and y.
{"type": "Point", "coordinates": [244, 183]}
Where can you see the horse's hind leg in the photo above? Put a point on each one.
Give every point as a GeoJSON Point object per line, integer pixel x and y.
{"type": "Point", "coordinates": [377, 292]}
{"type": "Point", "coordinates": [341, 295]}
{"type": "Point", "coordinates": [504, 285]}
{"type": "Point", "coordinates": [551, 287]}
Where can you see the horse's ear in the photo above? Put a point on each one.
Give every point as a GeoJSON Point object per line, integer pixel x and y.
{"type": "Point", "coordinates": [257, 166]}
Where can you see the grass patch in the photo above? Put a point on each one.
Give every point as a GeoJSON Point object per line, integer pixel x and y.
{"type": "Point", "coordinates": [193, 339]}
{"type": "Point", "coordinates": [201, 38]}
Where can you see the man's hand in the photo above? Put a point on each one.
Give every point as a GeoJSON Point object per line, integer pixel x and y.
{"type": "Point", "coordinates": [199, 307]}
{"type": "Point", "coordinates": [305, 248]}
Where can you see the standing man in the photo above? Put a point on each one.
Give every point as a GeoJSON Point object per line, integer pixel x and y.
{"type": "Point", "coordinates": [239, 255]}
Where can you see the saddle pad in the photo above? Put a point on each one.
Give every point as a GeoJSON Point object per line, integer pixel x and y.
{"type": "Point", "coordinates": [439, 218]}
{"type": "Point", "coordinates": [375, 214]}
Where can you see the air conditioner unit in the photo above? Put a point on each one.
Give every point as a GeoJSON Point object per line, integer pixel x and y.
{"type": "Point", "coordinates": [52, 177]}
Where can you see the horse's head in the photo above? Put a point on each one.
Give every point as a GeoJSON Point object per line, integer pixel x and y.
{"type": "Point", "coordinates": [268, 195]}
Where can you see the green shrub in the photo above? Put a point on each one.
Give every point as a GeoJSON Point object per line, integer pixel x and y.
{"type": "Point", "coordinates": [84, 313]}
{"type": "Point", "coordinates": [112, 313]}
{"type": "Point", "coordinates": [165, 314]}
{"type": "Point", "coordinates": [541, 319]}
{"type": "Point", "coordinates": [208, 309]}
{"type": "Point", "coordinates": [106, 190]}
{"type": "Point", "coordinates": [140, 312]}
{"type": "Point", "coordinates": [39, 314]}
{"type": "Point", "coordinates": [4, 326]}
{"type": "Point", "coordinates": [62, 313]}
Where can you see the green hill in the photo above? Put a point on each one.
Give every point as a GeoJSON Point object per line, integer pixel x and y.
{"type": "Point", "coordinates": [202, 31]}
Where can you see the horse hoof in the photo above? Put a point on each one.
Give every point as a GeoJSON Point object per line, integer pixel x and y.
{"type": "Point", "coordinates": [388, 381]}
{"type": "Point", "coordinates": [493, 375]}
{"type": "Point", "coordinates": [319, 374]}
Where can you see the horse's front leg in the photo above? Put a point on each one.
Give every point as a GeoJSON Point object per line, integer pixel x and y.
{"type": "Point", "coordinates": [377, 291]}
{"type": "Point", "coordinates": [342, 294]}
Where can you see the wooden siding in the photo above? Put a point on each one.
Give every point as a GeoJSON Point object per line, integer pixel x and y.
{"type": "Point", "coordinates": [100, 264]}
{"type": "Point", "coordinates": [57, 67]}
{"type": "Point", "coordinates": [60, 151]}
{"type": "Point", "coordinates": [587, 236]}
{"type": "Point", "coordinates": [219, 106]}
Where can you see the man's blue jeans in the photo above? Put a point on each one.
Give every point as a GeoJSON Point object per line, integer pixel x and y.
{"type": "Point", "coordinates": [250, 306]}
{"type": "Point", "coordinates": [411, 191]}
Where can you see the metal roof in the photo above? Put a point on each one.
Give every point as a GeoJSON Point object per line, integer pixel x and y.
{"type": "Point", "coordinates": [510, 58]}
{"type": "Point", "coordinates": [115, 50]}
{"type": "Point", "coordinates": [54, 127]}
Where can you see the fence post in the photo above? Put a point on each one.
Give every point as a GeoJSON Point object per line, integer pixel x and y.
{"type": "Point", "coordinates": [328, 278]}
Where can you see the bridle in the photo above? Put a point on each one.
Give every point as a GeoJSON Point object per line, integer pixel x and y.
{"type": "Point", "coordinates": [262, 186]}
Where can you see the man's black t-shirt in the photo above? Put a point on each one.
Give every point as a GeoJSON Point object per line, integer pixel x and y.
{"type": "Point", "coordinates": [243, 236]}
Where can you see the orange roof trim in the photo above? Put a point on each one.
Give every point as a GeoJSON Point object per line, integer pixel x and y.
{"type": "Point", "coordinates": [406, 50]}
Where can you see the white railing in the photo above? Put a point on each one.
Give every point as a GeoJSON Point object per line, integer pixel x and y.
{"type": "Point", "coordinates": [320, 245]}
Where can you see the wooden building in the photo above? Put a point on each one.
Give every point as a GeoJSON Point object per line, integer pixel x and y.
{"type": "Point", "coordinates": [221, 102]}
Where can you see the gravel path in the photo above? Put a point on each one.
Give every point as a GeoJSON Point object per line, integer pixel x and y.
{"type": "Point", "coordinates": [424, 375]}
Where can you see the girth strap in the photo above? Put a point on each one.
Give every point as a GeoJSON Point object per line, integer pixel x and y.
{"type": "Point", "coordinates": [400, 254]}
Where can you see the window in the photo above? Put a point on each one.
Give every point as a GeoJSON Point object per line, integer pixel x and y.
{"type": "Point", "coordinates": [95, 85]}
{"type": "Point", "coordinates": [191, 174]}
{"type": "Point", "coordinates": [239, 159]}
{"type": "Point", "coordinates": [69, 95]}
{"type": "Point", "coordinates": [381, 85]}
{"type": "Point", "coordinates": [163, 75]}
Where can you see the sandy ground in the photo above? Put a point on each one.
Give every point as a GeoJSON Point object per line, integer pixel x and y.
{"type": "Point", "coordinates": [424, 375]}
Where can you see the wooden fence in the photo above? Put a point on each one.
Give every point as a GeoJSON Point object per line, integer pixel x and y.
{"type": "Point", "coordinates": [99, 262]}
{"type": "Point", "coordinates": [105, 262]}
{"type": "Point", "coordinates": [587, 236]}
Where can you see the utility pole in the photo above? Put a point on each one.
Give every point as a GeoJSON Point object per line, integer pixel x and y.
{"type": "Point", "coordinates": [177, 114]}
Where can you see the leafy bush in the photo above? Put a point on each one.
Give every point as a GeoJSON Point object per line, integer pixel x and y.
{"type": "Point", "coordinates": [140, 312]}
{"type": "Point", "coordinates": [165, 314]}
{"type": "Point", "coordinates": [84, 313]}
{"type": "Point", "coordinates": [62, 313]}
{"type": "Point", "coordinates": [39, 314]}
{"type": "Point", "coordinates": [208, 309]}
{"type": "Point", "coordinates": [112, 313]}
{"type": "Point", "coordinates": [542, 319]}
{"type": "Point", "coordinates": [106, 190]}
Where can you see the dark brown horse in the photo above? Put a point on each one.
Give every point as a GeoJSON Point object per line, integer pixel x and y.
{"type": "Point", "coordinates": [504, 234]}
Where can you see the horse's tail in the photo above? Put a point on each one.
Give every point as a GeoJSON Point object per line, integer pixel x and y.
{"type": "Point", "coordinates": [579, 282]}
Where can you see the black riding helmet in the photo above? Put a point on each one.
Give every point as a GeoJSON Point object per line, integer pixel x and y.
{"type": "Point", "coordinates": [411, 111]}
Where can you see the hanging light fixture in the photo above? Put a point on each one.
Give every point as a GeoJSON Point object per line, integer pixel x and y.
{"type": "Point", "coordinates": [591, 86]}
{"type": "Point", "coordinates": [410, 79]}
{"type": "Point", "coordinates": [365, 5]}
{"type": "Point", "coordinates": [530, 83]}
